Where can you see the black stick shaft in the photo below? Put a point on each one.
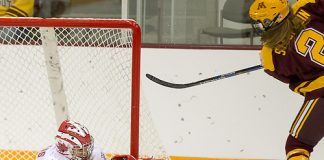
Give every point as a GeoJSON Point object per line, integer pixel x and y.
{"type": "Point", "coordinates": [203, 81]}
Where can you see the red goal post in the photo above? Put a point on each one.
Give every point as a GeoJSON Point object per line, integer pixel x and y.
{"type": "Point", "coordinates": [78, 68]}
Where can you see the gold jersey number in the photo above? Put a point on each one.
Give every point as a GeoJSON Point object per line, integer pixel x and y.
{"type": "Point", "coordinates": [311, 41]}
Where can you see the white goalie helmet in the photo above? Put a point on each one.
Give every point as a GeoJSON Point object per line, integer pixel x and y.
{"type": "Point", "coordinates": [74, 141]}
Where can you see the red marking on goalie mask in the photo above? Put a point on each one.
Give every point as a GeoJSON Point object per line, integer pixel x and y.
{"type": "Point", "coordinates": [62, 147]}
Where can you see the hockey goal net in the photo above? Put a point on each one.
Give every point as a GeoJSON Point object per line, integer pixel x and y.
{"type": "Point", "coordinates": [87, 70]}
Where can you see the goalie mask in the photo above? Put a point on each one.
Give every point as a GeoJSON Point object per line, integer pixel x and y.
{"type": "Point", "coordinates": [265, 14]}
{"type": "Point", "coordinates": [74, 141]}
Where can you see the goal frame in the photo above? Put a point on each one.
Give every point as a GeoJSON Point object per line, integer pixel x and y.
{"type": "Point", "coordinates": [100, 23]}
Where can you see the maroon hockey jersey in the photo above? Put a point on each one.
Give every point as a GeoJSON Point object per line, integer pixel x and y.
{"type": "Point", "coordinates": [301, 65]}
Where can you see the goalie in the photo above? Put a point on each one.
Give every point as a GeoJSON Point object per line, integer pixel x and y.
{"type": "Point", "coordinates": [73, 142]}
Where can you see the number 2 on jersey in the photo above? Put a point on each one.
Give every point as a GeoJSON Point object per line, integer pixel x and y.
{"type": "Point", "coordinates": [311, 41]}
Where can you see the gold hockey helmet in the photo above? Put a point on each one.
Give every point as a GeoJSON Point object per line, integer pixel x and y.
{"type": "Point", "coordinates": [266, 13]}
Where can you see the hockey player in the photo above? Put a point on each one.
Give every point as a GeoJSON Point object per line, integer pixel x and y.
{"type": "Point", "coordinates": [73, 142]}
{"type": "Point", "coordinates": [293, 52]}
{"type": "Point", "coordinates": [16, 8]}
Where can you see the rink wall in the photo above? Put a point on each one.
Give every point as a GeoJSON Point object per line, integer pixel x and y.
{"type": "Point", "coordinates": [245, 117]}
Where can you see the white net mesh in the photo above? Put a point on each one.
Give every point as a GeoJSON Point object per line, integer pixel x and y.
{"type": "Point", "coordinates": [96, 68]}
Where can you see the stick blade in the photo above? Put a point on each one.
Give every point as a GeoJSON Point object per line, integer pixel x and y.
{"type": "Point", "coordinates": [165, 83]}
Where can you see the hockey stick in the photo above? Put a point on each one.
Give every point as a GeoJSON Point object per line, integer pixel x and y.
{"type": "Point", "coordinates": [207, 80]}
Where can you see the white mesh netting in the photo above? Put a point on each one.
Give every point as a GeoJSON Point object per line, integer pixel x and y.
{"type": "Point", "coordinates": [96, 68]}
